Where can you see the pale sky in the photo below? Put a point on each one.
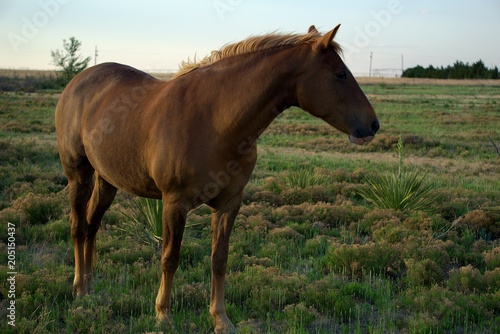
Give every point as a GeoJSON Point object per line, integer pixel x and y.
{"type": "Point", "coordinates": [156, 35]}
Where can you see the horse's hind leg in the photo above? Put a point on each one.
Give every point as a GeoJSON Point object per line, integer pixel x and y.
{"type": "Point", "coordinates": [88, 202]}
{"type": "Point", "coordinates": [173, 223]}
{"type": "Point", "coordinates": [80, 183]}
{"type": "Point", "coordinates": [102, 197]}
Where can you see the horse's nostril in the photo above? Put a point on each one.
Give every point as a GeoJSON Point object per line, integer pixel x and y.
{"type": "Point", "coordinates": [375, 126]}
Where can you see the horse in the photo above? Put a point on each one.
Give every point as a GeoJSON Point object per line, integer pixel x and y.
{"type": "Point", "coordinates": [192, 140]}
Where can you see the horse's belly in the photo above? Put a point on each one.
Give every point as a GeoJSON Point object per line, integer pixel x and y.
{"type": "Point", "coordinates": [125, 174]}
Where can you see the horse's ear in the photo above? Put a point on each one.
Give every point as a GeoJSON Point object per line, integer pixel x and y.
{"type": "Point", "coordinates": [312, 29]}
{"type": "Point", "coordinates": [325, 41]}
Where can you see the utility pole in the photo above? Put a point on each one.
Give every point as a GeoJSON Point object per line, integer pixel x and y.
{"type": "Point", "coordinates": [402, 65]}
{"type": "Point", "coordinates": [371, 57]}
{"type": "Point", "coordinates": [95, 55]}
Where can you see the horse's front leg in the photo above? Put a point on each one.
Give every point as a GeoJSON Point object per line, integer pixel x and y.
{"type": "Point", "coordinates": [222, 224]}
{"type": "Point", "coordinates": [173, 222]}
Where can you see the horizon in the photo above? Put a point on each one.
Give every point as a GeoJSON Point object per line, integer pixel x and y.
{"type": "Point", "coordinates": [382, 36]}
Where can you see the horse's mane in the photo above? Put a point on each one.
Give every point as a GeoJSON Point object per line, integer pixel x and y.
{"type": "Point", "coordinates": [252, 44]}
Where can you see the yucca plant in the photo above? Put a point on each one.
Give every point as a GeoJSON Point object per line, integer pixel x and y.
{"type": "Point", "coordinates": [404, 191]}
{"type": "Point", "coordinates": [145, 222]}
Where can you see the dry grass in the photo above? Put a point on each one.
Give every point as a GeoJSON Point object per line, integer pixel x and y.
{"type": "Point", "coordinates": [26, 73]}
{"type": "Point", "coordinates": [21, 73]}
{"type": "Point", "coordinates": [426, 82]}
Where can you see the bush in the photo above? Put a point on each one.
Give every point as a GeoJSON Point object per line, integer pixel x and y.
{"type": "Point", "coordinates": [35, 209]}
{"type": "Point", "coordinates": [300, 315]}
{"type": "Point", "coordinates": [377, 258]}
{"type": "Point", "coordinates": [483, 222]}
{"type": "Point", "coordinates": [492, 258]}
{"type": "Point", "coordinates": [465, 279]}
{"type": "Point", "coordinates": [423, 273]}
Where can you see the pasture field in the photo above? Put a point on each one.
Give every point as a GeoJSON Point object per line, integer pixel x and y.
{"type": "Point", "coordinates": [307, 255]}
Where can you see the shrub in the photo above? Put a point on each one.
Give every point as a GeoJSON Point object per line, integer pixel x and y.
{"type": "Point", "coordinates": [465, 279]}
{"type": "Point", "coordinates": [482, 223]}
{"type": "Point", "coordinates": [492, 281]}
{"type": "Point", "coordinates": [267, 197]}
{"type": "Point", "coordinates": [300, 315]}
{"type": "Point", "coordinates": [35, 209]}
{"type": "Point", "coordinates": [492, 258]}
{"type": "Point", "coordinates": [378, 258]}
{"type": "Point", "coordinates": [272, 184]}
{"type": "Point", "coordinates": [296, 196]}
{"type": "Point", "coordinates": [316, 246]}
{"type": "Point", "coordinates": [264, 290]}
{"type": "Point", "coordinates": [390, 230]}
{"type": "Point", "coordinates": [423, 273]}
{"type": "Point", "coordinates": [192, 295]}
{"type": "Point", "coordinates": [329, 214]}
{"type": "Point", "coordinates": [285, 233]}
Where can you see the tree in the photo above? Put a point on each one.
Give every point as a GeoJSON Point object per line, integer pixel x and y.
{"type": "Point", "coordinates": [459, 70]}
{"type": "Point", "coordinates": [479, 70]}
{"type": "Point", "coordinates": [70, 62]}
{"type": "Point", "coordinates": [494, 73]}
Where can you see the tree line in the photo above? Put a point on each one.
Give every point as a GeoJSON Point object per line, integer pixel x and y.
{"type": "Point", "coordinates": [458, 70]}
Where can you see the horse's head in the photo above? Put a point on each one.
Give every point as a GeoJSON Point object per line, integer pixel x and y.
{"type": "Point", "coordinates": [327, 89]}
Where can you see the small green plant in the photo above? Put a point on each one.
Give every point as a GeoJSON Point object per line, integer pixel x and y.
{"type": "Point", "coordinates": [302, 178]}
{"type": "Point", "coordinates": [404, 191]}
{"type": "Point", "coordinates": [145, 222]}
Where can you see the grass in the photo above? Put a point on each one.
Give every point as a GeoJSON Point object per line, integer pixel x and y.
{"type": "Point", "coordinates": [308, 253]}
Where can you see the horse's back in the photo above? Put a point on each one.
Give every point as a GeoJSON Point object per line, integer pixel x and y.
{"type": "Point", "coordinates": [99, 81]}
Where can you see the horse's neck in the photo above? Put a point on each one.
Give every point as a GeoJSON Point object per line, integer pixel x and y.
{"type": "Point", "coordinates": [261, 87]}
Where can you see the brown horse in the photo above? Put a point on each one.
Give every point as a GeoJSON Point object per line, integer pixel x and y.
{"type": "Point", "coordinates": [192, 140]}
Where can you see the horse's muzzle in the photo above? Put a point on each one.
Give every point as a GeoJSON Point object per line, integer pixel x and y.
{"type": "Point", "coordinates": [360, 137]}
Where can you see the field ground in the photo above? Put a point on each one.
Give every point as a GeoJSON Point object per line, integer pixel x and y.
{"type": "Point", "coordinates": [307, 255]}
{"type": "Point", "coordinates": [361, 80]}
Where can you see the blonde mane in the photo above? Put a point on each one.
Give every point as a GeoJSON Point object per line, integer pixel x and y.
{"type": "Point", "coordinates": [251, 44]}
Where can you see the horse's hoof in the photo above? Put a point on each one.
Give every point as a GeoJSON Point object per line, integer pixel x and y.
{"type": "Point", "coordinates": [224, 328]}
{"type": "Point", "coordinates": [165, 321]}
{"type": "Point", "coordinates": [78, 291]}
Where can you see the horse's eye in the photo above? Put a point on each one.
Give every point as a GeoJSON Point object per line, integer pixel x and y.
{"type": "Point", "coordinates": [341, 75]}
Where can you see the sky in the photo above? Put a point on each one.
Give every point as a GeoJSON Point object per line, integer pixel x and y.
{"type": "Point", "coordinates": [157, 35]}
